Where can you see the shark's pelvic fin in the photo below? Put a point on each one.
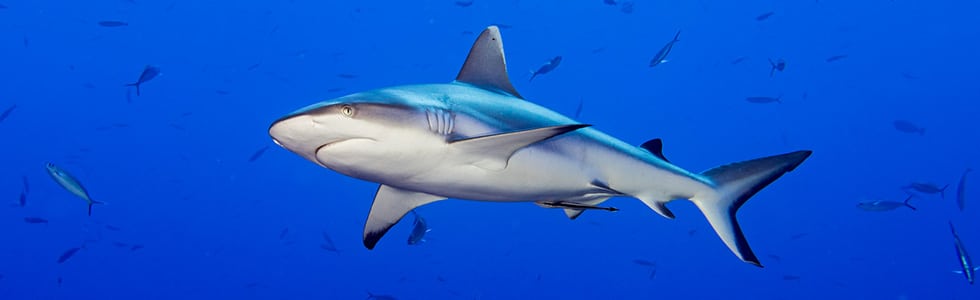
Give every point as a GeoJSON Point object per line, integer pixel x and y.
{"type": "Point", "coordinates": [390, 205]}
{"type": "Point", "coordinates": [486, 66]}
{"type": "Point", "coordinates": [655, 146]}
{"type": "Point", "coordinates": [734, 185]}
{"type": "Point", "coordinates": [493, 151]}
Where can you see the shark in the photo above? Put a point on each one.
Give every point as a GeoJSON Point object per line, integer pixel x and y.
{"type": "Point", "coordinates": [476, 138]}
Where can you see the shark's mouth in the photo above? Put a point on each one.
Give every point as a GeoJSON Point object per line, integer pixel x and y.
{"type": "Point", "coordinates": [316, 153]}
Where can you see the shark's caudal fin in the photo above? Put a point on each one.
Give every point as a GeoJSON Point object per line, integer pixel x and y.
{"type": "Point", "coordinates": [734, 185]}
{"type": "Point", "coordinates": [486, 66]}
{"type": "Point", "coordinates": [390, 205]}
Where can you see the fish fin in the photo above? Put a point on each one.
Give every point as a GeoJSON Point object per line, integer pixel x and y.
{"type": "Point", "coordinates": [906, 202]}
{"type": "Point", "coordinates": [493, 151]}
{"type": "Point", "coordinates": [734, 185]}
{"type": "Point", "coordinates": [486, 65]}
{"type": "Point", "coordinates": [390, 205]}
{"type": "Point", "coordinates": [574, 213]}
{"type": "Point", "coordinates": [92, 202]}
{"type": "Point", "coordinates": [655, 146]}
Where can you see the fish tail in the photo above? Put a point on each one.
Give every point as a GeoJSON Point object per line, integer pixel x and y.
{"type": "Point", "coordinates": [906, 202]}
{"type": "Point", "coordinates": [733, 185]}
{"type": "Point", "coordinates": [92, 202]}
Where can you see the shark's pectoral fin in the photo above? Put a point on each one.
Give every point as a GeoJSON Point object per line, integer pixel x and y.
{"type": "Point", "coordinates": [390, 205]}
{"type": "Point", "coordinates": [486, 66]}
{"type": "Point", "coordinates": [492, 152]}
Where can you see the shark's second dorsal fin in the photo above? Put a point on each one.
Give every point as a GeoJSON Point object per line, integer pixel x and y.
{"type": "Point", "coordinates": [486, 66]}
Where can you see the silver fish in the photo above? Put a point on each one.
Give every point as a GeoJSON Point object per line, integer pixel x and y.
{"type": "Point", "coordinates": [661, 56]}
{"type": "Point", "coordinates": [965, 262]}
{"type": "Point", "coordinates": [70, 184]}
{"type": "Point", "coordinates": [879, 205]}
{"type": "Point", "coordinates": [419, 229]}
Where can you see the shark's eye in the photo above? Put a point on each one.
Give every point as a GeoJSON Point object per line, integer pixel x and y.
{"type": "Point", "coordinates": [347, 110]}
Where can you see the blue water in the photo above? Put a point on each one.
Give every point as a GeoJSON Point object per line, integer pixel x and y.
{"type": "Point", "coordinates": [173, 164]}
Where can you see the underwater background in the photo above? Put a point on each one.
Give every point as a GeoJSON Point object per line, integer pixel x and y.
{"type": "Point", "coordinates": [200, 204]}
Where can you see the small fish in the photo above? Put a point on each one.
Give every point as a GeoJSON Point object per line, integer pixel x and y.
{"type": "Point", "coordinates": [258, 153]}
{"type": "Point", "coordinates": [966, 264]}
{"type": "Point", "coordinates": [546, 67]}
{"type": "Point", "coordinates": [70, 184]}
{"type": "Point", "coordinates": [379, 297]}
{"type": "Point", "coordinates": [879, 205]}
{"type": "Point", "coordinates": [739, 60]}
{"type": "Point", "coordinates": [777, 258]}
{"type": "Point", "coordinates": [928, 188]}
{"type": "Point", "coordinates": [283, 233]}
{"type": "Point", "coordinates": [836, 58]}
{"type": "Point", "coordinates": [68, 254]}
{"type": "Point", "coordinates": [35, 220]}
{"type": "Point", "coordinates": [135, 247]}
{"type": "Point", "coordinates": [22, 201]}
{"type": "Point", "coordinates": [149, 72]}
{"type": "Point", "coordinates": [464, 3]}
{"type": "Point", "coordinates": [113, 23]}
{"type": "Point", "coordinates": [578, 109]}
{"type": "Point", "coordinates": [6, 113]}
{"type": "Point", "coordinates": [609, 2]}
{"type": "Point", "coordinates": [661, 56]}
{"type": "Point", "coordinates": [328, 243]}
{"type": "Point", "coordinates": [252, 67]}
{"type": "Point", "coordinates": [778, 65]}
{"type": "Point", "coordinates": [764, 16]}
{"type": "Point", "coordinates": [419, 229]}
{"type": "Point", "coordinates": [626, 7]}
{"type": "Point", "coordinates": [908, 127]}
{"type": "Point", "coordinates": [960, 191]}
{"type": "Point", "coordinates": [763, 99]}
{"type": "Point", "coordinates": [645, 263]}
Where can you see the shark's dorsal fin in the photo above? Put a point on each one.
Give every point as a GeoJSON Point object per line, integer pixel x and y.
{"type": "Point", "coordinates": [492, 152]}
{"type": "Point", "coordinates": [656, 146]}
{"type": "Point", "coordinates": [390, 205]}
{"type": "Point", "coordinates": [486, 66]}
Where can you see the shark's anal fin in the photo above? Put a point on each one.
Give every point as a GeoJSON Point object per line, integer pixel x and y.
{"type": "Point", "coordinates": [655, 146]}
{"type": "Point", "coordinates": [485, 65]}
{"type": "Point", "coordinates": [492, 152]}
{"type": "Point", "coordinates": [390, 205]}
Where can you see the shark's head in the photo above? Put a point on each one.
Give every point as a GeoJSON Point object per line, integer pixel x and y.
{"type": "Point", "coordinates": [355, 133]}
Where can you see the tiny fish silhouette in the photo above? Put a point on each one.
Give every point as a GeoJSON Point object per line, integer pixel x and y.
{"type": "Point", "coordinates": [68, 254]}
{"type": "Point", "coordinates": [764, 16]}
{"type": "Point", "coordinates": [6, 113]}
{"type": "Point", "coordinates": [258, 153]}
{"type": "Point", "coordinates": [149, 72]}
{"type": "Point", "coordinates": [113, 23]}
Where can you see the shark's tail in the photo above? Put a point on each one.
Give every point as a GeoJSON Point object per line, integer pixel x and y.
{"type": "Point", "coordinates": [734, 185]}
